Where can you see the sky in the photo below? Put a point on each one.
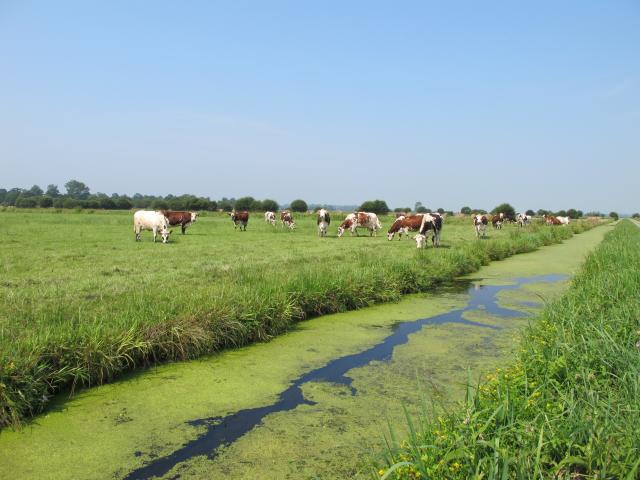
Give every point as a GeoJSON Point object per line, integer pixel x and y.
{"type": "Point", "coordinates": [448, 103]}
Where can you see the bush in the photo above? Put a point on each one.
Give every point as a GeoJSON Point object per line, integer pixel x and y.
{"type": "Point", "coordinates": [270, 205]}
{"type": "Point", "coordinates": [505, 208]}
{"type": "Point", "coordinates": [465, 210]}
{"type": "Point", "coordinates": [299, 205]}
{"type": "Point", "coordinates": [614, 215]}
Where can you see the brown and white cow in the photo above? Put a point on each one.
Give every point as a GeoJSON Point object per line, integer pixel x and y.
{"type": "Point", "coordinates": [270, 217]}
{"type": "Point", "coordinates": [323, 221]}
{"type": "Point", "coordinates": [523, 219]}
{"type": "Point", "coordinates": [360, 220]}
{"type": "Point", "coordinates": [287, 220]}
{"type": "Point", "coordinates": [240, 219]}
{"type": "Point", "coordinates": [431, 225]}
{"type": "Point", "coordinates": [497, 220]}
{"type": "Point", "coordinates": [405, 224]}
{"type": "Point", "coordinates": [551, 220]}
{"type": "Point", "coordinates": [184, 219]}
{"type": "Point", "coordinates": [480, 224]}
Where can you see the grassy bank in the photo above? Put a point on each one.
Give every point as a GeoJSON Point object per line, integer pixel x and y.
{"type": "Point", "coordinates": [567, 407]}
{"type": "Point", "coordinates": [81, 302]}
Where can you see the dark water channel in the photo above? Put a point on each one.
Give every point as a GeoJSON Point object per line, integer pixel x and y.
{"type": "Point", "coordinates": [222, 431]}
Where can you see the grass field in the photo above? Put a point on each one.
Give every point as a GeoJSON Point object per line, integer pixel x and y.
{"type": "Point", "coordinates": [82, 302]}
{"type": "Point", "coordinates": [568, 407]}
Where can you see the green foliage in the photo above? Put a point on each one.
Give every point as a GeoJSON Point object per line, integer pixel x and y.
{"type": "Point", "coordinates": [465, 210]}
{"type": "Point", "coordinates": [375, 206]}
{"type": "Point", "coordinates": [246, 203]}
{"type": "Point", "coordinates": [614, 215]}
{"type": "Point", "coordinates": [505, 208]}
{"type": "Point", "coordinates": [52, 191]}
{"type": "Point", "coordinates": [423, 209]}
{"type": "Point", "coordinates": [270, 205]}
{"type": "Point", "coordinates": [530, 212]}
{"type": "Point", "coordinates": [299, 205]}
{"type": "Point", "coordinates": [567, 407]}
{"type": "Point", "coordinates": [77, 190]}
{"type": "Point", "coordinates": [400, 210]}
{"type": "Point", "coordinates": [635, 215]}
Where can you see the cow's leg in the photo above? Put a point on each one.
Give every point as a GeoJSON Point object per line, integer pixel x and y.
{"type": "Point", "coordinates": [184, 227]}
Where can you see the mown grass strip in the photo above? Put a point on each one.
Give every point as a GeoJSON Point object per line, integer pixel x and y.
{"type": "Point", "coordinates": [568, 406]}
{"type": "Point", "coordinates": [40, 362]}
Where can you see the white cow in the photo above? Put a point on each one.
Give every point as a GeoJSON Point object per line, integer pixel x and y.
{"type": "Point", "coordinates": [360, 220]}
{"type": "Point", "coordinates": [151, 220]}
{"type": "Point", "coordinates": [270, 217]}
{"type": "Point", "coordinates": [563, 220]}
{"type": "Point", "coordinates": [480, 224]}
{"type": "Point", "coordinates": [523, 219]}
{"type": "Point", "coordinates": [324, 219]}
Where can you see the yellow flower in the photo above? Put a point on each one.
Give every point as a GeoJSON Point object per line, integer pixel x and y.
{"type": "Point", "coordinates": [381, 472]}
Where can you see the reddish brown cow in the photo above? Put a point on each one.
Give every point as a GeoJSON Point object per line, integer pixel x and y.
{"type": "Point", "coordinates": [287, 220]}
{"type": "Point", "coordinates": [405, 225]}
{"type": "Point", "coordinates": [551, 220]}
{"type": "Point", "coordinates": [184, 219]}
{"type": "Point", "coordinates": [240, 218]}
{"type": "Point", "coordinates": [497, 220]}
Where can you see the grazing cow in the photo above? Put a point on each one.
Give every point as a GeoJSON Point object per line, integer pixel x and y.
{"type": "Point", "coordinates": [270, 217]}
{"type": "Point", "coordinates": [563, 220]}
{"type": "Point", "coordinates": [401, 214]}
{"type": "Point", "coordinates": [523, 219]}
{"type": "Point", "coordinates": [287, 220]}
{"type": "Point", "coordinates": [551, 220]}
{"type": "Point", "coordinates": [432, 224]}
{"type": "Point", "coordinates": [151, 220]}
{"type": "Point", "coordinates": [360, 220]}
{"type": "Point", "coordinates": [240, 219]}
{"type": "Point", "coordinates": [480, 224]}
{"type": "Point", "coordinates": [184, 219]}
{"type": "Point", "coordinates": [405, 225]}
{"type": "Point", "coordinates": [421, 240]}
{"type": "Point", "coordinates": [324, 220]}
{"type": "Point", "coordinates": [346, 224]}
{"type": "Point", "coordinates": [497, 220]}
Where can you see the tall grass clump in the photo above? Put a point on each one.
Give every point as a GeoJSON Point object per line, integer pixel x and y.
{"type": "Point", "coordinates": [568, 407]}
{"type": "Point", "coordinates": [81, 325]}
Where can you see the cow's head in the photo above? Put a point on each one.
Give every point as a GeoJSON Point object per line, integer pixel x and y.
{"type": "Point", "coordinates": [420, 240]}
{"type": "Point", "coordinates": [165, 232]}
{"type": "Point", "coordinates": [194, 216]}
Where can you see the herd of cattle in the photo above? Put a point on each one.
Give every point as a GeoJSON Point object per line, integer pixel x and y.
{"type": "Point", "coordinates": [425, 224]}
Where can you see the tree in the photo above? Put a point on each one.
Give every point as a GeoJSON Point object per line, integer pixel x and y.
{"type": "Point", "coordinates": [52, 191]}
{"type": "Point", "coordinates": [123, 203]}
{"type": "Point", "coordinates": [245, 203]}
{"type": "Point", "coordinates": [46, 201]}
{"type": "Point", "coordinates": [375, 206]}
{"type": "Point", "coordinates": [423, 209]}
{"type": "Point", "coordinates": [77, 190]}
{"type": "Point", "coordinates": [573, 213]}
{"type": "Point", "coordinates": [635, 215]}
{"type": "Point", "coordinates": [614, 215]}
{"type": "Point", "coordinates": [26, 202]}
{"type": "Point", "coordinates": [402, 210]}
{"type": "Point", "coordinates": [270, 205]}
{"type": "Point", "coordinates": [417, 206]}
{"type": "Point", "coordinates": [530, 213]}
{"type": "Point", "coordinates": [3, 194]}
{"type": "Point", "coordinates": [465, 210]}
{"type": "Point", "coordinates": [299, 205]}
{"type": "Point", "coordinates": [12, 195]}
{"type": "Point", "coordinates": [542, 212]}
{"type": "Point", "coordinates": [561, 213]}
{"type": "Point", "coordinates": [440, 210]}
{"type": "Point", "coordinates": [226, 204]}
{"type": "Point", "coordinates": [506, 209]}
{"type": "Point", "coordinates": [479, 211]}
{"type": "Point", "coordinates": [34, 191]}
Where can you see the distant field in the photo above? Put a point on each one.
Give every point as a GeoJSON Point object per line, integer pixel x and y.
{"type": "Point", "coordinates": [81, 301]}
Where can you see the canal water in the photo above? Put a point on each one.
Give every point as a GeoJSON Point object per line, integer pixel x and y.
{"type": "Point", "coordinates": [314, 403]}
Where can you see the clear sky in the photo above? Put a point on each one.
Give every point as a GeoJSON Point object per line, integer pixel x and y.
{"type": "Point", "coordinates": [447, 103]}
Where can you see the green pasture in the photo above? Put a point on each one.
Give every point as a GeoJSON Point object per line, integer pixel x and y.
{"type": "Point", "coordinates": [81, 301]}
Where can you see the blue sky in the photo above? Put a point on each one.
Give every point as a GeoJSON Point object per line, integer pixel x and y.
{"type": "Point", "coordinates": [447, 103]}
